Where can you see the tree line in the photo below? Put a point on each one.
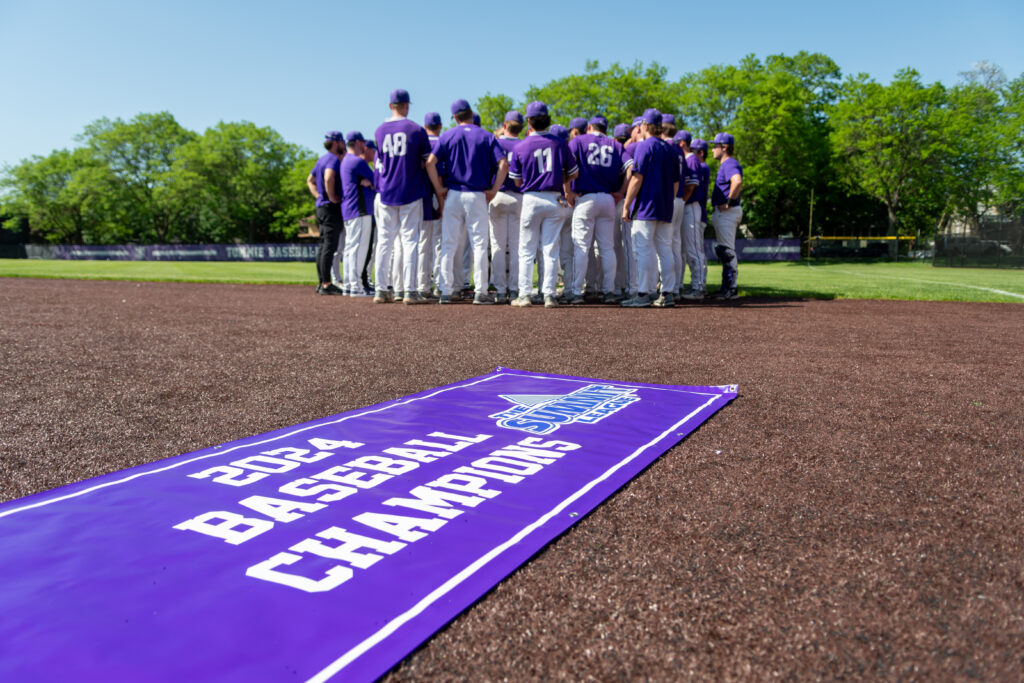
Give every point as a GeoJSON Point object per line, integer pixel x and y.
{"type": "Point", "coordinates": [905, 157]}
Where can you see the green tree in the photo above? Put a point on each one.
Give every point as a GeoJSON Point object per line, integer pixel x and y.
{"type": "Point", "coordinates": [232, 178]}
{"type": "Point", "coordinates": [63, 196]}
{"type": "Point", "coordinates": [1009, 133]}
{"type": "Point", "coordinates": [492, 109]}
{"type": "Point", "coordinates": [140, 154]}
{"type": "Point", "coordinates": [892, 144]}
{"type": "Point", "coordinates": [618, 93]}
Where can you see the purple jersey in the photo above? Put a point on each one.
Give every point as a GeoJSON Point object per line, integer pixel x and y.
{"type": "Point", "coordinates": [353, 195]}
{"type": "Point", "coordinates": [658, 163]}
{"type": "Point", "coordinates": [720, 193]}
{"type": "Point", "coordinates": [693, 167]}
{"type": "Point", "coordinates": [686, 174]}
{"type": "Point", "coordinates": [507, 145]}
{"type": "Point", "coordinates": [402, 146]}
{"type": "Point", "coordinates": [429, 199]}
{"type": "Point", "coordinates": [327, 161]}
{"type": "Point", "coordinates": [704, 178]}
{"type": "Point", "coordinates": [600, 161]}
{"type": "Point", "coordinates": [541, 161]}
{"type": "Point", "coordinates": [471, 156]}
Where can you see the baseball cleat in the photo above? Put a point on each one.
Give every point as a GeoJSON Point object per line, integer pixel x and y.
{"type": "Point", "coordinates": [576, 300]}
{"type": "Point", "coordinates": [639, 301]}
{"type": "Point", "coordinates": [381, 297]}
{"type": "Point", "coordinates": [444, 299]}
{"type": "Point", "coordinates": [725, 294]}
{"type": "Point", "coordinates": [483, 300]}
{"type": "Point", "coordinates": [500, 298]}
{"type": "Point", "coordinates": [610, 298]}
{"type": "Point", "coordinates": [694, 295]}
{"type": "Point", "coordinates": [522, 302]}
{"type": "Point", "coordinates": [550, 301]}
{"type": "Point", "coordinates": [331, 289]}
{"type": "Point", "coordinates": [666, 300]}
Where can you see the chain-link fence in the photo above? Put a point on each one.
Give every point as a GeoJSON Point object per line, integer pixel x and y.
{"type": "Point", "coordinates": [996, 242]}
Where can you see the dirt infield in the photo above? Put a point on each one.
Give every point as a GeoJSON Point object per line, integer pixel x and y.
{"type": "Point", "coordinates": [857, 512]}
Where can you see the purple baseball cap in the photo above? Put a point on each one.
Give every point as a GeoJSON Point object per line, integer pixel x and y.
{"type": "Point", "coordinates": [514, 117]}
{"type": "Point", "coordinates": [560, 131]}
{"type": "Point", "coordinates": [354, 136]}
{"type": "Point", "coordinates": [432, 119]}
{"type": "Point", "coordinates": [699, 144]}
{"type": "Point", "coordinates": [598, 121]}
{"type": "Point", "coordinates": [621, 130]}
{"type": "Point", "coordinates": [579, 123]}
{"type": "Point", "coordinates": [652, 117]}
{"type": "Point", "coordinates": [400, 96]}
{"type": "Point", "coordinates": [667, 119]}
{"type": "Point", "coordinates": [459, 105]}
{"type": "Point", "coordinates": [372, 145]}
{"type": "Point", "coordinates": [724, 139]}
{"type": "Point", "coordinates": [333, 135]}
{"type": "Point", "coordinates": [682, 136]}
{"type": "Point", "coordinates": [536, 108]}
{"type": "Point", "coordinates": [637, 121]}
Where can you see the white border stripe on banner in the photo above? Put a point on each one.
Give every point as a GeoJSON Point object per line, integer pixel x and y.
{"type": "Point", "coordinates": [393, 625]}
{"type": "Point", "coordinates": [245, 445]}
{"type": "Point", "coordinates": [491, 376]}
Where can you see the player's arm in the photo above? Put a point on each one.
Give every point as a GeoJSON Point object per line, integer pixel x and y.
{"type": "Point", "coordinates": [735, 187]}
{"type": "Point", "coordinates": [330, 179]}
{"type": "Point", "coordinates": [688, 191]}
{"type": "Point", "coordinates": [499, 180]}
{"type": "Point", "coordinates": [367, 175]}
{"type": "Point", "coordinates": [311, 184]}
{"type": "Point", "coordinates": [435, 178]}
{"type": "Point", "coordinates": [675, 188]}
{"type": "Point", "coordinates": [635, 181]}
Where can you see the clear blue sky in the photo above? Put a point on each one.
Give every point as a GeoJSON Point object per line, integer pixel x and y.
{"type": "Point", "coordinates": [303, 68]}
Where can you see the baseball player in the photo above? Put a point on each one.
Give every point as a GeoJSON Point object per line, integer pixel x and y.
{"type": "Point", "coordinates": [626, 275]}
{"type": "Point", "coordinates": [366, 276]}
{"type": "Point", "coordinates": [687, 184]}
{"type": "Point", "coordinates": [476, 168]}
{"type": "Point", "coordinates": [402, 145]}
{"type": "Point", "coordinates": [324, 184]}
{"type": "Point", "coordinates": [356, 178]}
{"type": "Point", "coordinates": [725, 197]}
{"type": "Point", "coordinates": [430, 229]}
{"type": "Point", "coordinates": [601, 171]}
{"type": "Point", "coordinates": [542, 167]}
{"type": "Point", "coordinates": [693, 223]}
{"type": "Point", "coordinates": [503, 213]}
{"type": "Point", "coordinates": [649, 199]}
{"type": "Point", "coordinates": [565, 237]}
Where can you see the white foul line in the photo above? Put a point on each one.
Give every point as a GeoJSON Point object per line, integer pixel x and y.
{"type": "Point", "coordinates": [927, 282]}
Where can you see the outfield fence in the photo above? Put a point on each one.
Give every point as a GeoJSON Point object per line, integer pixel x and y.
{"type": "Point", "coordinates": [746, 250]}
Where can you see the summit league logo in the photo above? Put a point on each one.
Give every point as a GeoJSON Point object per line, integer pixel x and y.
{"type": "Point", "coordinates": [544, 413]}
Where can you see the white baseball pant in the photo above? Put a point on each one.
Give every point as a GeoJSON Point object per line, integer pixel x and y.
{"type": "Point", "coordinates": [652, 241]}
{"type": "Point", "coordinates": [593, 219]}
{"type": "Point", "coordinates": [396, 222]}
{"type": "Point", "coordinates": [465, 216]}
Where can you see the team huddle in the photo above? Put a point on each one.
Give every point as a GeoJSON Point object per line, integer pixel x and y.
{"type": "Point", "coordinates": [620, 217]}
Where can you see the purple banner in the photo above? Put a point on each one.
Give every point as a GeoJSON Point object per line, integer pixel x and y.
{"type": "Point", "coordinates": [188, 252]}
{"type": "Point", "coordinates": [758, 250]}
{"type": "Point", "coordinates": [328, 550]}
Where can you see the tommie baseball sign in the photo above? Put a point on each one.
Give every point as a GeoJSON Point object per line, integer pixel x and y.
{"type": "Point", "coordinates": [328, 550]}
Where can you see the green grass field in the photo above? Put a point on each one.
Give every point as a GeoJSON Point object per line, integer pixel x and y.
{"type": "Point", "coordinates": [806, 279]}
